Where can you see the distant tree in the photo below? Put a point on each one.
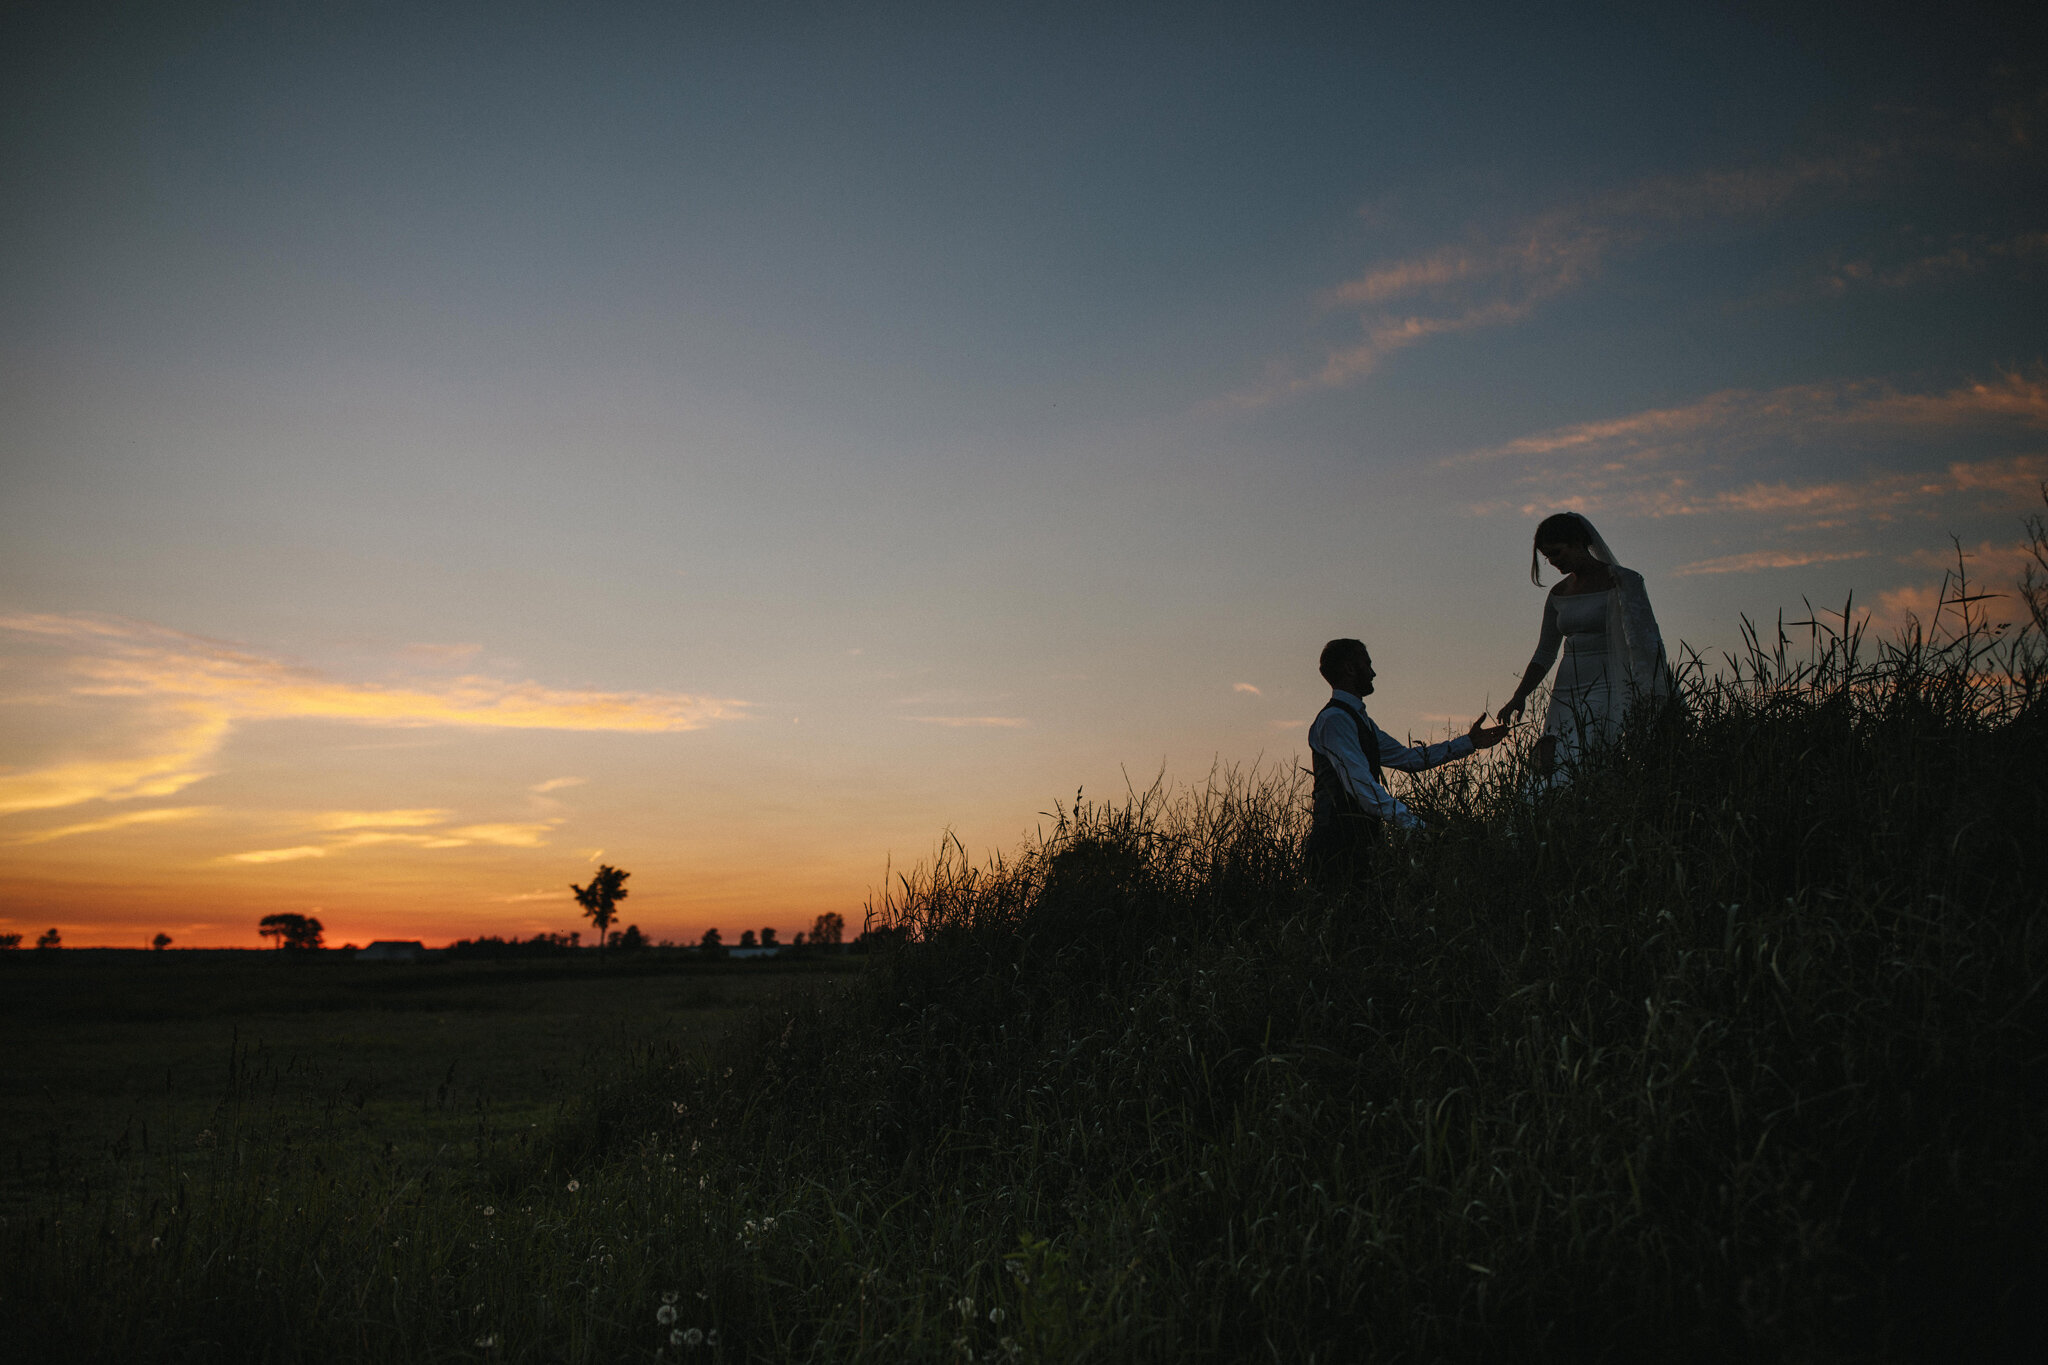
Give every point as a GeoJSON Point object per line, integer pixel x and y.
{"type": "Point", "coordinates": [632, 941]}
{"type": "Point", "coordinates": [829, 927]}
{"type": "Point", "coordinates": [879, 938]}
{"type": "Point", "coordinates": [712, 945]}
{"type": "Point", "coordinates": [297, 933]}
{"type": "Point", "coordinates": [768, 937]}
{"type": "Point", "coordinates": [49, 938]}
{"type": "Point", "coordinates": [491, 946]}
{"type": "Point", "coordinates": [9, 941]}
{"type": "Point", "coordinates": [746, 938]}
{"type": "Point", "coordinates": [798, 941]}
{"type": "Point", "coordinates": [160, 942]}
{"type": "Point", "coordinates": [600, 899]}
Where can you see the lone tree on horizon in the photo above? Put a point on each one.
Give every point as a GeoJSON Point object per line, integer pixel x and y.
{"type": "Point", "coordinates": [600, 899]}
{"type": "Point", "coordinates": [298, 933]}
{"type": "Point", "coordinates": [160, 942]}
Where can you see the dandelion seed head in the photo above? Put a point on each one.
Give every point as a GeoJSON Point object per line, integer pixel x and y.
{"type": "Point", "coordinates": [490, 1212]}
{"type": "Point", "coordinates": [671, 1296]}
{"type": "Point", "coordinates": [996, 1315]}
{"type": "Point", "coordinates": [693, 1337]}
{"type": "Point", "coordinates": [574, 1186]}
{"type": "Point", "coordinates": [665, 1315]}
{"type": "Point", "coordinates": [966, 1307]}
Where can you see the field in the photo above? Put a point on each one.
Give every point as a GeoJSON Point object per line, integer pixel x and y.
{"type": "Point", "coordinates": [1734, 1046]}
{"type": "Point", "coordinates": [134, 1052]}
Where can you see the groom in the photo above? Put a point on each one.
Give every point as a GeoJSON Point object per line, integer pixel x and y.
{"type": "Point", "coordinates": [1352, 802]}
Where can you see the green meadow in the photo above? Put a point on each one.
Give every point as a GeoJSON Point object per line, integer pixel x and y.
{"type": "Point", "coordinates": [1734, 1047]}
{"type": "Point", "coordinates": [134, 1053]}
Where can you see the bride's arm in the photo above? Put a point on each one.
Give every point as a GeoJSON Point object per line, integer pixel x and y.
{"type": "Point", "coordinates": [1547, 645]}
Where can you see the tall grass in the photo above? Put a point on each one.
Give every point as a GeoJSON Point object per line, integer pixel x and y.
{"type": "Point", "coordinates": [1729, 1047]}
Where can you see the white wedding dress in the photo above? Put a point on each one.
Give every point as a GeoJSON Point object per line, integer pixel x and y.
{"type": "Point", "coordinates": [1613, 660]}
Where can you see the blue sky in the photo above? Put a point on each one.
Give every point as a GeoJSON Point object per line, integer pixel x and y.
{"type": "Point", "coordinates": [740, 442]}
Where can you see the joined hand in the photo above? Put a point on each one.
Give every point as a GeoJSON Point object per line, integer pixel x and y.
{"type": "Point", "coordinates": [1482, 736]}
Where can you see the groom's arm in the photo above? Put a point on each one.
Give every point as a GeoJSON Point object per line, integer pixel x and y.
{"type": "Point", "coordinates": [1414, 758]}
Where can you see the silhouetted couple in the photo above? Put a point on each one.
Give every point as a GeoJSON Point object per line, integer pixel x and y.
{"type": "Point", "coordinates": [1600, 617]}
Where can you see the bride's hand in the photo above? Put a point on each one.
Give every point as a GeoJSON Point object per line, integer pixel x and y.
{"type": "Point", "coordinates": [1512, 711]}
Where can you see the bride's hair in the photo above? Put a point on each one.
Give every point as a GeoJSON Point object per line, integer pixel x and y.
{"type": "Point", "coordinates": [1559, 528]}
{"type": "Point", "coordinates": [1567, 528]}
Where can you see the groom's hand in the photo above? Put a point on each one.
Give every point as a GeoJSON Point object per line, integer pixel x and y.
{"type": "Point", "coordinates": [1484, 736]}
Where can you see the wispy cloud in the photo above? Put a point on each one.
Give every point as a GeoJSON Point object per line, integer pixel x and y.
{"type": "Point", "coordinates": [1501, 274]}
{"type": "Point", "coordinates": [370, 838]}
{"type": "Point", "coordinates": [162, 815]}
{"type": "Point", "coordinates": [188, 693]}
{"type": "Point", "coordinates": [1766, 559]}
{"type": "Point", "coordinates": [177, 754]}
{"type": "Point", "coordinates": [971, 722]}
{"type": "Point", "coordinates": [1954, 261]}
{"type": "Point", "coordinates": [1702, 458]}
{"type": "Point", "coordinates": [376, 819]}
{"type": "Point", "coordinates": [533, 834]}
{"type": "Point", "coordinates": [557, 783]}
{"type": "Point", "coordinates": [278, 855]}
{"type": "Point", "coordinates": [1246, 688]}
{"type": "Point", "coordinates": [347, 836]}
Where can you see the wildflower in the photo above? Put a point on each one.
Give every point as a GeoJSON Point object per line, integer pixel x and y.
{"type": "Point", "coordinates": [665, 1315]}
{"type": "Point", "coordinates": [573, 1187]}
{"type": "Point", "coordinates": [487, 1342]}
{"type": "Point", "coordinates": [671, 1296]}
{"type": "Point", "coordinates": [995, 1315]}
{"type": "Point", "coordinates": [693, 1337]}
{"type": "Point", "coordinates": [711, 1337]}
{"type": "Point", "coordinates": [966, 1307]}
{"type": "Point", "coordinates": [490, 1212]}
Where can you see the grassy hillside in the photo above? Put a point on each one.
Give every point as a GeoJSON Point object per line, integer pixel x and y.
{"type": "Point", "coordinates": [1732, 1047]}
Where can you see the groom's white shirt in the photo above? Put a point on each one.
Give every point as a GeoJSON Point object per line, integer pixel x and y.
{"type": "Point", "coordinates": [1336, 738]}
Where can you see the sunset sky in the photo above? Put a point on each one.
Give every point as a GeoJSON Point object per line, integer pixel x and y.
{"type": "Point", "coordinates": [447, 446]}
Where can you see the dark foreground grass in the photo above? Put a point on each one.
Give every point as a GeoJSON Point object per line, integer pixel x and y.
{"type": "Point", "coordinates": [1731, 1048]}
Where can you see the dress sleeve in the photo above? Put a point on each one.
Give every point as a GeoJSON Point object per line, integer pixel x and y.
{"type": "Point", "coordinates": [1547, 645]}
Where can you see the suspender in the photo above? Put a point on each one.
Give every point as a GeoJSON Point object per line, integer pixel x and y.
{"type": "Point", "coordinates": [1367, 746]}
{"type": "Point", "coordinates": [1333, 797]}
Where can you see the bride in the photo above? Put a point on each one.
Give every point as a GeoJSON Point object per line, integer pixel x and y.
{"type": "Point", "coordinates": [1613, 651]}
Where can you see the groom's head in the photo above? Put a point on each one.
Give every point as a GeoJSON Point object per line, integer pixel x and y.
{"type": "Point", "coordinates": [1347, 666]}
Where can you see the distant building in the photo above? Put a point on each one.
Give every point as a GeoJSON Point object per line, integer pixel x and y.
{"type": "Point", "coordinates": [393, 950]}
